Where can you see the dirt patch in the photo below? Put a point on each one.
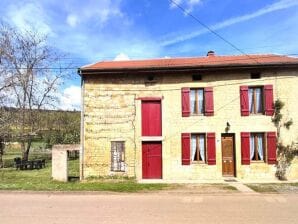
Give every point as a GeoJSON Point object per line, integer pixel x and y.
{"type": "Point", "coordinates": [200, 188]}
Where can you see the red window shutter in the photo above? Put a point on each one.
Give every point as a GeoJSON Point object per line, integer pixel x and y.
{"type": "Point", "coordinates": [244, 103]}
{"type": "Point", "coordinates": [185, 102]}
{"type": "Point", "coordinates": [271, 147]}
{"type": "Point", "coordinates": [245, 148]}
{"type": "Point", "coordinates": [211, 155]}
{"type": "Point", "coordinates": [151, 118]}
{"type": "Point", "coordinates": [185, 142]}
{"type": "Point", "coordinates": [209, 108]}
{"type": "Point", "coordinates": [269, 107]}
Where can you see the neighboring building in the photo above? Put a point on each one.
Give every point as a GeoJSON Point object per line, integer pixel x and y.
{"type": "Point", "coordinates": [178, 119]}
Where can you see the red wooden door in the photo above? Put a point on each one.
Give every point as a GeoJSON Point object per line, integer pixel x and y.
{"type": "Point", "coordinates": [151, 118]}
{"type": "Point", "coordinates": [151, 160]}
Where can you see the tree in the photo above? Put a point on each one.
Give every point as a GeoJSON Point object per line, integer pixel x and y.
{"type": "Point", "coordinates": [5, 83]}
{"type": "Point", "coordinates": [285, 153]}
{"type": "Point", "coordinates": [27, 62]}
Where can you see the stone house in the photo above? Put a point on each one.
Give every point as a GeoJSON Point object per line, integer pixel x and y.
{"type": "Point", "coordinates": [201, 118]}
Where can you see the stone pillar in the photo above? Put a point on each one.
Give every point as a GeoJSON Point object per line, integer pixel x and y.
{"type": "Point", "coordinates": [59, 161]}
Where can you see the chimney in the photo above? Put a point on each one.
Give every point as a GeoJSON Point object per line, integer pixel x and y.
{"type": "Point", "coordinates": [211, 54]}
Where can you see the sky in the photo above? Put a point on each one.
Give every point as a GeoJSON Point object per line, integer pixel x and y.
{"type": "Point", "coordinates": [94, 30]}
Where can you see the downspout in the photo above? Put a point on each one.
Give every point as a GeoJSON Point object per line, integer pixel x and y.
{"type": "Point", "coordinates": [82, 127]}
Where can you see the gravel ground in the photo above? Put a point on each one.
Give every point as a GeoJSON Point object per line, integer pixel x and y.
{"type": "Point", "coordinates": [275, 188]}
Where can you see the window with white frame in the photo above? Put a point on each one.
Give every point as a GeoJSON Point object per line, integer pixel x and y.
{"type": "Point", "coordinates": [256, 100]}
{"type": "Point", "coordinates": [198, 148]}
{"type": "Point", "coordinates": [257, 147]}
{"type": "Point", "coordinates": [197, 101]}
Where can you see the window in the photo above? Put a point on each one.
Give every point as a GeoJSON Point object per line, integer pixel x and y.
{"type": "Point", "coordinates": [255, 75]}
{"type": "Point", "coordinates": [253, 147]}
{"type": "Point", "coordinates": [255, 95]}
{"type": "Point", "coordinates": [198, 146]}
{"type": "Point", "coordinates": [257, 147]}
{"type": "Point", "coordinates": [117, 156]}
{"type": "Point", "coordinates": [196, 77]}
{"type": "Point", "coordinates": [197, 101]}
{"type": "Point", "coordinates": [257, 100]}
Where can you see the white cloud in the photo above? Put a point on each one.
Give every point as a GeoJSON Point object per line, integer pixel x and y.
{"type": "Point", "coordinates": [283, 4]}
{"type": "Point", "coordinates": [97, 11]}
{"type": "Point", "coordinates": [71, 98]}
{"type": "Point", "coordinates": [121, 57]}
{"type": "Point", "coordinates": [72, 20]}
{"type": "Point", "coordinates": [28, 16]}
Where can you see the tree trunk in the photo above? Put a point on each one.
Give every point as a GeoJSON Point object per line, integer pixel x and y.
{"type": "Point", "coordinates": [25, 149]}
{"type": "Point", "coordinates": [1, 153]}
{"type": "Point", "coordinates": [1, 161]}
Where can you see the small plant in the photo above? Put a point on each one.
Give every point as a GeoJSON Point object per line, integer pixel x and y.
{"type": "Point", "coordinates": [285, 153]}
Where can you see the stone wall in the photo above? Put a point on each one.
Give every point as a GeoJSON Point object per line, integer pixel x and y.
{"type": "Point", "coordinates": [113, 113]}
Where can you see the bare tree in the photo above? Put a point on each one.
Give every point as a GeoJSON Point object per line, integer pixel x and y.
{"type": "Point", "coordinates": [34, 74]}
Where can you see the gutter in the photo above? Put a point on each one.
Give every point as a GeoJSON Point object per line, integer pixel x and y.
{"type": "Point", "coordinates": [82, 127]}
{"type": "Point", "coordinates": [183, 69]}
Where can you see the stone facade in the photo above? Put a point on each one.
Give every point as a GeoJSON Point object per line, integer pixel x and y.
{"type": "Point", "coordinates": [112, 112]}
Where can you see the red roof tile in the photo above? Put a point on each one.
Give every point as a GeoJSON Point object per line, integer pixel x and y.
{"type": "Point", "coordinates": [208, 61]}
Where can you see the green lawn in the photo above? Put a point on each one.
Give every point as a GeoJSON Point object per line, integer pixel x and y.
{"type": "Point", "coordinates": [40, 180]}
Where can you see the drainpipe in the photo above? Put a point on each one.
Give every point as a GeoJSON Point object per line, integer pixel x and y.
{"type": "Point", "coordinates": [82, 127]}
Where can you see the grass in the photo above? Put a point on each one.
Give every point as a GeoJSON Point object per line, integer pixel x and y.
{"type": "Point", "coordinates": [262, 188]}
{"type": "Point", "coordinates": [274, 187]}
{"type": "Point", "coordinates": [229, 187]}
{"type": "Point", "coordinates": [40, 180]}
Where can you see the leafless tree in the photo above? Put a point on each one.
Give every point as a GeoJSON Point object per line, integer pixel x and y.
{"type": "Point", "coordinates": [33, 74]}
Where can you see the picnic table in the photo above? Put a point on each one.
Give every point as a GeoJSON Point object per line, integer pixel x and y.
{"type": "Point", "coordinates": [29, 164]}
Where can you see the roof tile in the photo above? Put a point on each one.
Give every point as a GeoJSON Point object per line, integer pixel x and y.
{"type": "Point", "coordinates": [207, 61]}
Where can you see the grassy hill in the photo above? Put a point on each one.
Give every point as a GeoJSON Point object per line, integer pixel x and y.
{"type": "Point", "coordinates": [58, 124]}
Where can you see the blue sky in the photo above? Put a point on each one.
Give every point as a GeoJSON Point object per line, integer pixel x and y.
{"type": "Point", "coordinates": [94, 30]}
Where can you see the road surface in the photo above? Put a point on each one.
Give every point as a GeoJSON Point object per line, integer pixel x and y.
{"type": "Point", "coordinates": [153, 208]}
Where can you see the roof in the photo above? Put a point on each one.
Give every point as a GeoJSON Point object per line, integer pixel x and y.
{"type": "Point", "coordinates": [208, 61]}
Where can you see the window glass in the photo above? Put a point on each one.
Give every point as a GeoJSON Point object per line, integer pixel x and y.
{"type": "Point", "coordinates": [197, 101]}
{"type": "Point", "coordinates": [257, 146]}
{"type": "Point", "coordinates": [201, 101]}
{"type": "Point", "coordinates": [192, 101]}
{"type": "Point", "coordinates": [198, 152]}
{"type": "Point", "coordinates": [117, 156]}
{"type": "Point", "coordinates": [255, 97]}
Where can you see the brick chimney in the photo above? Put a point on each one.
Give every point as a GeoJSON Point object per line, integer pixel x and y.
{"type": "Point", "coordinates": [211, 54]}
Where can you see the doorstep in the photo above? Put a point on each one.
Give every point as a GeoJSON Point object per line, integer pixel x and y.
{"type": "Point", "coordinates": [162, 181]}
{"type": "Point", "coordinates": [225, 180]}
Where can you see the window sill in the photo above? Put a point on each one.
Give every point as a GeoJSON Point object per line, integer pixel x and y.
{"type": "Point", "coordinates": [196, 115]}
{"type": "Point", "coordinates": [257, 162]}
{"type": "Point", "coordinates": [258, 114]}
{"type": "Point", "coordinates": [198, 163]}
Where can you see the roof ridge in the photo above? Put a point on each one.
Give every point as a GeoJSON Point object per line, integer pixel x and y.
{"type": "Point", "coordinates": [189, 57]}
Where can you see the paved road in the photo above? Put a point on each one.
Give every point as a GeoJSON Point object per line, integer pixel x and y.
{"type": "Point", "coordinates": [147, 208]}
